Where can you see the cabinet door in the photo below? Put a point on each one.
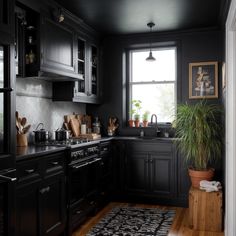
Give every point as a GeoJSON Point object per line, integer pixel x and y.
{"type": "Point", "coordinates": [137, 172]}
{"type": "Point", "coordinates": [27, 209]}
{"type": "Point", "coordinates": [7, 17]}
{"type": "Point", "coordinates": [53, 206]}
{"type": "Point", "coordinates": [57, 48]}
{"type": "Point", "coordinates": [162, 174]}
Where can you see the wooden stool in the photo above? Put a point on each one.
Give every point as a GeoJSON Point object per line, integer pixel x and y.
{"type": "Point", "coordinates": [205, 210]}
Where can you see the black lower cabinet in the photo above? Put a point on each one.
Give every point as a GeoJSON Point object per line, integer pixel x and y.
{"type": "Point", "coordinates": [27, 198]}
{"type": "Point", "coordinates": [40, 198]}
{"type": "Point", "coordinates": [150, 171]}
{"type": "Point", "coordinates": [52, 202]}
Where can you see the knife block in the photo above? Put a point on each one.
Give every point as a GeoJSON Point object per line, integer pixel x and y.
{"type": "Point", "coordinates": [21, 140]}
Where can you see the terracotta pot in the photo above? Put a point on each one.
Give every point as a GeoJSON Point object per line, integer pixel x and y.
{"type": "Point", "coordinates": [136, 123]}
{"type": "Point", "coordinates": [196, 176]}
{"type": "Point", "coordinates": [131, 123]}
{"type": "Point", "coordinates": [145, 123]}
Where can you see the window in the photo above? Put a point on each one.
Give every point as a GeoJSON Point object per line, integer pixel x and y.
{"type": "Point", "coordinates": [154, 83]}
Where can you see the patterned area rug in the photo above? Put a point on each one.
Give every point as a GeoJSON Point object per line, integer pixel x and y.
{"type": "Point", "coordinates": [134, 221]}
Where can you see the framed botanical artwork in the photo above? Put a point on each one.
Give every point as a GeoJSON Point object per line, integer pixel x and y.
{"type": "Point", "coordinates": [203, 80]}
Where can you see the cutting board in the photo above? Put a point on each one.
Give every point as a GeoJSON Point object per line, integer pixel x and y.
{"type": "Point", "coordinates": [92, 136]}
{"type": "Point", "coordinates": [75, 126]}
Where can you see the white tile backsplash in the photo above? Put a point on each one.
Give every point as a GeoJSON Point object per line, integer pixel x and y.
{"type": "Point", "coordinates": [33, 100]}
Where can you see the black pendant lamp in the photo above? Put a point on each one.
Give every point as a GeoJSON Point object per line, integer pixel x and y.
{"type": "Point", "coordinates": [150, 56]}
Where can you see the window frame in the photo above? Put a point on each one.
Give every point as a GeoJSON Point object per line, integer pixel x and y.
{"type": "Point", "coordinates": [129, 76]}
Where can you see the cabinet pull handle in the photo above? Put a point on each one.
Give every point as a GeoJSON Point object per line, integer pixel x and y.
{"type": "Point", "coordinates": [29, 171]}
{"type": "Point", "coordinates": [92, 202]}
{"type": "Point", "coordinates": [8, 179]}
{"type": "Point", "coordinates": [44, 190]}
{"type": "Point", "coordinates": [47, 189]}
{"type": "Point", "coordinates": [78, 212]}
{"type": "Point", "coordinates": [54, 163]}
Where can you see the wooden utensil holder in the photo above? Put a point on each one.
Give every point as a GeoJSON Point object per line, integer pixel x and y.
{"type": "Point", "coordinates": [22, 140]}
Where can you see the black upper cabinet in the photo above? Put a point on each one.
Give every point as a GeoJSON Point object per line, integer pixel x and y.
{"type": "Point", "coordinates": [86, 88]}
{"type": "Point", "coordinates": [57, 48]}
{"type": "Point", "coordinates": [7, 18]}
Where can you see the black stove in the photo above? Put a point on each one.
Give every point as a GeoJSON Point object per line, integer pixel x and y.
{"type": "Point", "coordinates": [68, 142]}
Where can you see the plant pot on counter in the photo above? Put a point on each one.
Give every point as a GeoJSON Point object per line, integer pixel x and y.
{"type": "Point", "coordinates": [145, 123]}
{"type": "Point", "coordinates": [131, 123]}
{"type": "Point", "coordinates": [136, 123]}
{"type": "Point", "coordinates": [196, 176]}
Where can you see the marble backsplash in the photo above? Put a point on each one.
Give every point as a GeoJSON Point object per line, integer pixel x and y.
{"type": "Point", "coordinates": [34, 101]}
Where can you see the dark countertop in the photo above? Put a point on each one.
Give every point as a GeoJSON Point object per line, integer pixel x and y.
{"type": "Point", "coordinates": [32, 151]}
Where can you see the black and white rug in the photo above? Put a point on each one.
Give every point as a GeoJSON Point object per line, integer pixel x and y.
{"type": "Point", "coordinates": [134, 221]}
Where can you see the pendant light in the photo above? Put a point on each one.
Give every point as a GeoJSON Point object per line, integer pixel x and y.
{"type": "Point", "coordinates": [150, 57]}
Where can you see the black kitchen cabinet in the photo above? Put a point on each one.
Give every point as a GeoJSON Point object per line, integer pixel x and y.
{"type": "Point", "coordinates": [105, 183]}
{"type": "Point", "coordinates": [40, 197]}
{"type": "Point", "coordinates": [58, 49]}
{"type": "Point", "coordinates": [86, 88]}
{"type": "Point", "coordinates": [7, 18]}
{"type": "Point", "coordinates": [150, 170]}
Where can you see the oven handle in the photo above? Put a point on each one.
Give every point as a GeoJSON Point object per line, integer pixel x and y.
{"type": "Point", "coordinates": [80, 166]}
{"type": "Point", "coordinates": [96, 160]}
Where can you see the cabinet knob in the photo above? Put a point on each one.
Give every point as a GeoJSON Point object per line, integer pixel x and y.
{"type": "Point", "coordinates": [55, 163]}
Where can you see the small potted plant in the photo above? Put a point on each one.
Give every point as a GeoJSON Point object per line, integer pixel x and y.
{"type": "Point", "coordinates": [131, 120]}
{"type": "Point", "coordinates": [199, 130]}
{"type": "Point", "coordinates": [137, 107]}
{"type": "Point", "coordinates": [136, 120]}
{"type": "Point", "coordinates": [145, 118]}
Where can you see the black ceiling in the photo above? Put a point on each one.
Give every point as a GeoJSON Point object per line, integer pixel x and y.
{"type": "Point", "coordinates": [132, 16]}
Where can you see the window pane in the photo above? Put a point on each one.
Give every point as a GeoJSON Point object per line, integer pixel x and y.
{"type": "Point", "coordinates": [159, 99]}
{"type": "Point", "coordinates": [163, 69]}
{"type": "Point", "coordinates": [1, 67]}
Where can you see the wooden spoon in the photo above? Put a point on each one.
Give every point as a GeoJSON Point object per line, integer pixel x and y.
{"type": "Point", "coordinates": [23, 121]}
{"type": "Point", "coordinates": [26, 129]}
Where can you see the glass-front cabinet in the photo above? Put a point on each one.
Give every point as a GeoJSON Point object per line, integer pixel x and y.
{"type": "Point", "coordinates": [86, 88]}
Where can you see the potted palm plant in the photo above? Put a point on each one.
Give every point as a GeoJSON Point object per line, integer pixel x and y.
{"type": "Point", "coordinates": [199, 132]}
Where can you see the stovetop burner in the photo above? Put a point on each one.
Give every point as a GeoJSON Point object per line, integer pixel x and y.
{"type": "Point", "coordinates": [68, 142]}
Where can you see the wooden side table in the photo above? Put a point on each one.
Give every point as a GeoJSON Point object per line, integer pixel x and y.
{"type": "Point", "coordinates": [205, 210]}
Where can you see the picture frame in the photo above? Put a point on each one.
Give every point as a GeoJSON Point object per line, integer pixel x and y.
{"type": "Point", "coordinates": [203, 80]}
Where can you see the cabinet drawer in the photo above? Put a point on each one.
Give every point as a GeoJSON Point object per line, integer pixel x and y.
{"type": "Point", "coordinates": [161, 147]}
{"type": "Point", "coordinates": [54, 163]}
{"type": "Point", "coordinates": [105, 148]}
{"type": "Point", "coordinates": [28, 170]}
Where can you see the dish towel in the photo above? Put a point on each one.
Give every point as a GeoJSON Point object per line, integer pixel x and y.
{"type": "Point", "coordinates": [210, 186]}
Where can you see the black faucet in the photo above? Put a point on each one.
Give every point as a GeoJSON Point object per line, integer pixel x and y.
{"type": "Point", "coordinates": [154, 115]}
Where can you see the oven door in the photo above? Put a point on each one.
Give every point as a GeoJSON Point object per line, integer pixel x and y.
{"type": "Point", "coordinates": [83, 179]}
{"type": "Point", "coordinates": [7, 213]}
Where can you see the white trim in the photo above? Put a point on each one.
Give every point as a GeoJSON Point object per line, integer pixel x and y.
{"type": "Point", "coordinates": [230, 212]}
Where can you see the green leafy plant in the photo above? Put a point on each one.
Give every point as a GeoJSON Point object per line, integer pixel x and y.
{"type": "Point", "coordinates": [136, 106]}
{"type": "Point", "coordinates": [131, 113]}
{"type": "Point", "coordinates": [200, 131]}
{"type": "Point", "coordinates": [146, 115]}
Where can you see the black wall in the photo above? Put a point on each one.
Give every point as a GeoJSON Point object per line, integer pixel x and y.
{"type": "Point", "coordinates": [195, 46]}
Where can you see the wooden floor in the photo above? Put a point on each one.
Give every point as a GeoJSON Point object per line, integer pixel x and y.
{"type": "Point", "coordinates": [179, 226]}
